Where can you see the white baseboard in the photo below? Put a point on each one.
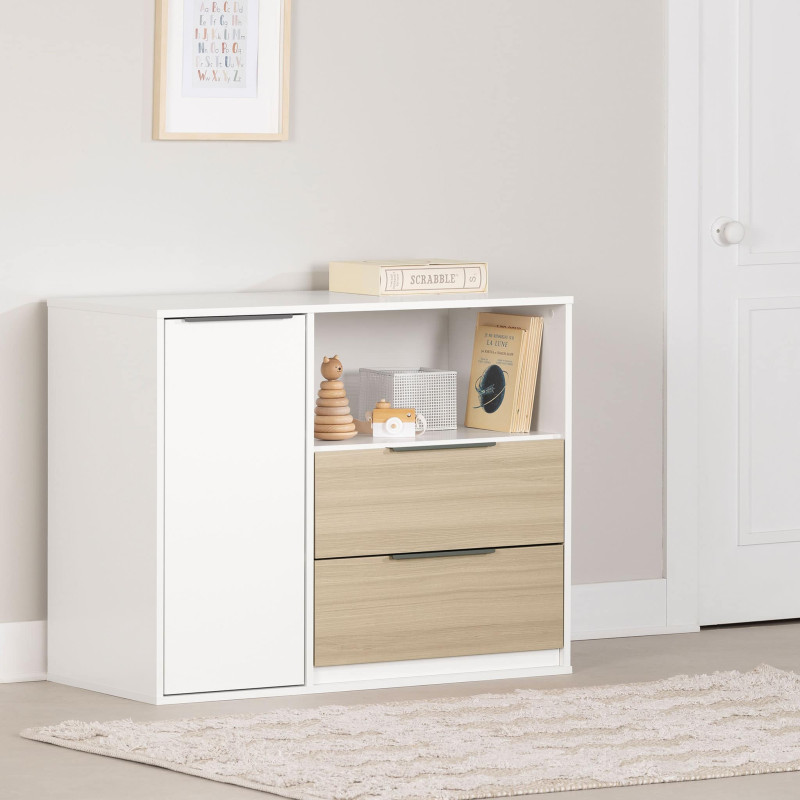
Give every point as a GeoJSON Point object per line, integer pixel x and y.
{"type": "Point", "coordinates": [622, 608]}
{"type": "Point", "coordinates": [23, 651]}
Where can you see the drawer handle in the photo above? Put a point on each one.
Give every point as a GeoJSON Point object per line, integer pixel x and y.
{"type": "Point", "coordinates": [467, 446]}
{"type": "Point", "coordinates": [443, 553]}
{"type": "Point", "coordinates": [238, 318]}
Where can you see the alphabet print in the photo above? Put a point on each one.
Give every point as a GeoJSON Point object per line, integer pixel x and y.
{"type": "Point", "coordinates": [220, 48]}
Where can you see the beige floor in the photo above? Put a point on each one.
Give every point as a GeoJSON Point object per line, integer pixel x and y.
{"type": "Point", "coordinates": [34, 770]}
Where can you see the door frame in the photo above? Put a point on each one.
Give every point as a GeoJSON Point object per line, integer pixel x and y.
{"type": "Point", "coordinates": [682, 312]}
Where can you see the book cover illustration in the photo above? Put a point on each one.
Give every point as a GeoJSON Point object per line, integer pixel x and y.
{"type": "Point", "coordinates": [529, 361]}
{"type": "Point", "coordinates": [494, 378]}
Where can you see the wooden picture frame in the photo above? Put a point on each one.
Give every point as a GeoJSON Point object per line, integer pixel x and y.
{"type": "Point", "coordinates": [204, 104]}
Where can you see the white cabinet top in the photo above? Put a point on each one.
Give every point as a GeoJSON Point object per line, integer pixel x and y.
{"type": "Point", "coordinates": [312, 302]}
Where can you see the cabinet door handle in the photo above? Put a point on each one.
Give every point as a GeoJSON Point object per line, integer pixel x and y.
{"type": "Point", "coordinates": [484, 551]}
{"type": "Point", "coordinates": [467, 446]}
{"type": "Point", "coordinates": [237, 317]}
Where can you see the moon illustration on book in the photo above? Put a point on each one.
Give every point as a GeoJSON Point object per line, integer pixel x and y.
{"type": "Point", "coordinates": [491, 388]}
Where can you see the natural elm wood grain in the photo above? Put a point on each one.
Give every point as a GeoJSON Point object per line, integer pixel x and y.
{"type": "Point", "coordinates": [334, 437]}
{"type": "Point", "coordinates": [334, 428]}
{"type": "Point", "coordinates": [380, 609]}
{"type": "Point", "coordinates": [160, 71]}
{"type": "Point", "coordinates": [377, 502]}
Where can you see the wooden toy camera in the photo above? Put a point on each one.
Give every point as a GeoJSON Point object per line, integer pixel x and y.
{"type": "Point", "coordinates": [396, 423]}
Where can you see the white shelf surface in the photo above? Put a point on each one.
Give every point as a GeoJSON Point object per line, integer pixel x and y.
{"type": "Point", "coordinates": [168, 306]}
{"type": "Point", "coordinates": [460, 435]}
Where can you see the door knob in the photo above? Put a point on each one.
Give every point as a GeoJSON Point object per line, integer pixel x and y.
{"type": "Point", "coordinates": [726, 231]}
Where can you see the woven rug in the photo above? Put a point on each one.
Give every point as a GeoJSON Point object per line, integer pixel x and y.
{"type": "Point", "coordinates": [490, 745]}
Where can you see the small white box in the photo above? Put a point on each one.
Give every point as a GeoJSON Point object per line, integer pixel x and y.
{"type": "Point", "coordinates": [430, 392]}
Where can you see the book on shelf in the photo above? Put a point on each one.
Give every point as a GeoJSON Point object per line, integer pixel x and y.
{"type": "Point", "coordinates": [430, 276]}
{"type": "Point", "coordinates": [505, 365]}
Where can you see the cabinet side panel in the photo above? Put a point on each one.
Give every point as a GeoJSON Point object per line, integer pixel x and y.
{"type": "Point", "coordinates": [103, 450]}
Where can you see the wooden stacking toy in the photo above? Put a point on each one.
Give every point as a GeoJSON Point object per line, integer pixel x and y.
{"type": "Point", "coordinates": [332, 418]}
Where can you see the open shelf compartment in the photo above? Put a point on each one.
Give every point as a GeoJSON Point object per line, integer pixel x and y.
{"type": "Point", "coordinates": [440, 339]}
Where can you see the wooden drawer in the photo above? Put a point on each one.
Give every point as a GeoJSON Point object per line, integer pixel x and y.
{"type": "Point", "coordinates": [379, 502]}
{"type": "Point", "coordinates": [384, 609]}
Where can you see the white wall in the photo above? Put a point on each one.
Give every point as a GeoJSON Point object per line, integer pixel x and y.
{"type": "Point", "coordinates": [526, 132]}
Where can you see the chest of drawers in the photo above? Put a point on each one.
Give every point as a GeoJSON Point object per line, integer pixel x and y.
{"type": "Point", "coordinates": [202, 544]}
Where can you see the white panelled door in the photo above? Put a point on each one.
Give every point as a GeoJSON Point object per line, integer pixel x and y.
{"type": "Point", "coordinates": [750, 312]}
{"type": "Point", "coordinates": [234, 504]}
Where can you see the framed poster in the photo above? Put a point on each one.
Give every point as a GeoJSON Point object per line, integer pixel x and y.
{"type": "Point", "coordinates": [222, 69]}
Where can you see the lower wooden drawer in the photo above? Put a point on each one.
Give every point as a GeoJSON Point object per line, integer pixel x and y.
{"type": "Point", "coordinates": [381, 608]}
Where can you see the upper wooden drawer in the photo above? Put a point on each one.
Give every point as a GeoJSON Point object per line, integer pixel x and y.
{"type": "Point", "coordinates": [376, 502]}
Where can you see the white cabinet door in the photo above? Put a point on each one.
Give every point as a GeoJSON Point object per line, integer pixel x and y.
{"type": "Point", "coordinates": [750, 313]}
{"type": "Point", "coordinates": [234, 513]}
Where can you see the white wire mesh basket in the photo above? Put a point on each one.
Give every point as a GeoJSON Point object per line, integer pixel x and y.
{"type": "Point", "coordinates": [430, 392]}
